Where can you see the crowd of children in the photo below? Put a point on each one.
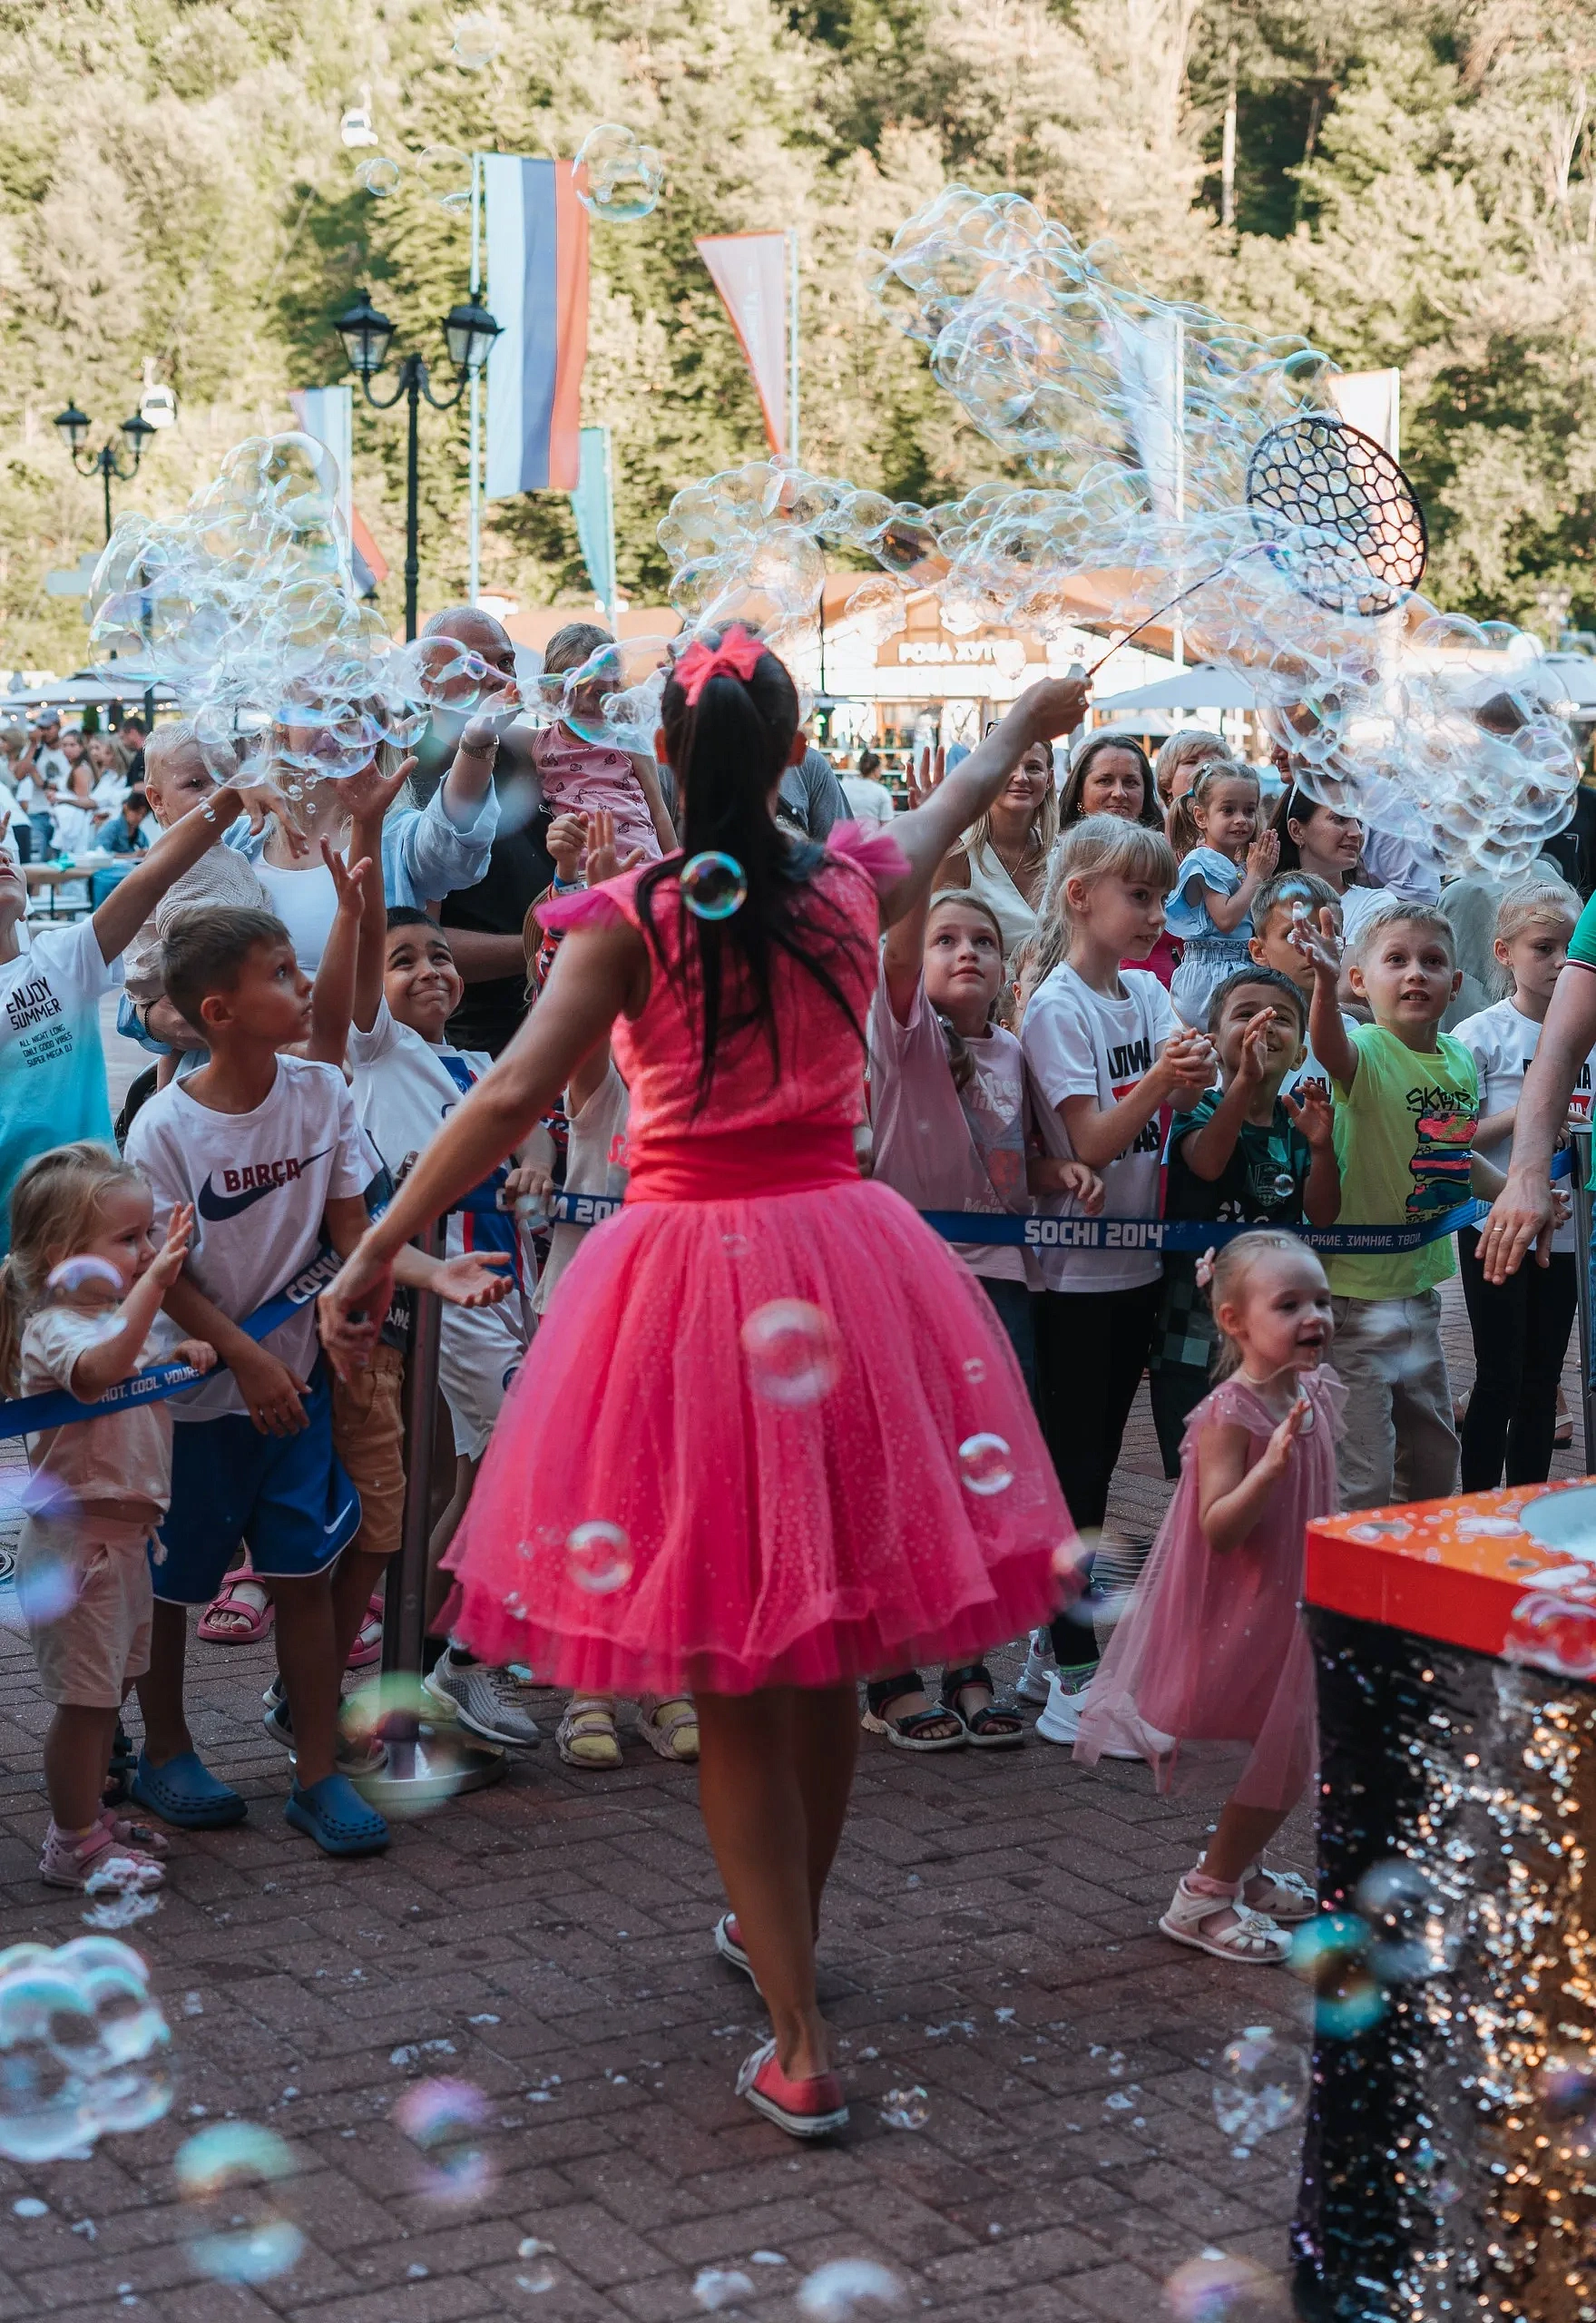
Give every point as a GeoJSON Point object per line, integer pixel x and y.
{"type": "Point", "coordinates": [1127, 994]}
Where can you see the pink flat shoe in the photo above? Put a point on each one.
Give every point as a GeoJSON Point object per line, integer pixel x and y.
{"type": "Point", "coordinates": [814, 2108]}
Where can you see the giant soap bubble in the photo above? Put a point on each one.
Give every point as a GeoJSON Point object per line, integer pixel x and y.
{"type": "Point", "coordinates": [242, 606]}
{"type": "Point", "coordinates": [1175, 455]}
{"type": "Point", "coordinates": [81, 2044]}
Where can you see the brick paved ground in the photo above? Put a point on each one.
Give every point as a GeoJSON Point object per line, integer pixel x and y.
{"type": "Point", "coordinates": [991, 1940]}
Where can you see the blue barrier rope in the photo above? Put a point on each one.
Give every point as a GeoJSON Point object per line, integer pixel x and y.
{"type": "Point", "coordinates": [58, 1408]}
{"type": "Point", "coordinates": [26, 1414]}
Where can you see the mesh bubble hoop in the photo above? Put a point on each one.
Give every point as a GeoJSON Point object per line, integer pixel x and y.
{"type": "Point", "coordinates": [1355, 522]}
{"type": "Point", "coordinates": [1321, 475]}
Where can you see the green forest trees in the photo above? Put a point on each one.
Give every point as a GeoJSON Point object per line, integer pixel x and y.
{"type": "Point", "coordinates": [1413, 184]}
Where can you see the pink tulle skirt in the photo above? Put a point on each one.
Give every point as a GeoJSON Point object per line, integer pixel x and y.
{"type": "Point", "coordinates": [781, 1440]}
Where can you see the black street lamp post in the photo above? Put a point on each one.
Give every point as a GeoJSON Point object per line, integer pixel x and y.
{"type": "Point", "coordinates": [105, 463]}
{"type": "Point", "coordinates": [469, 332]}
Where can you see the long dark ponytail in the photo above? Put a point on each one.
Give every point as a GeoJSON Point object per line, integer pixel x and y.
{"type": "Point", "coordinates": [729, 751]}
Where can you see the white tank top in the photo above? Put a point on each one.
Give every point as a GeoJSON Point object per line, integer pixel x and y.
{"type": "Point", "coordinates": [991, 883]}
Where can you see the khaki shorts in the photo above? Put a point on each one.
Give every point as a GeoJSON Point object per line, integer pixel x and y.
{"type": "Point", "coordinates": [368, 1436]}
{"type": "Point", "coordinates": [85, 1595]}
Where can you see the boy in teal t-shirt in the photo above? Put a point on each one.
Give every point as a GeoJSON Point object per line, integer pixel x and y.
{"type": "Point", "coordinates": [1407, 1097]}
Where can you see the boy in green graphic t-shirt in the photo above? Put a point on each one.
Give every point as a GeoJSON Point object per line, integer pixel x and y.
{"type": "Point", "coordinates": [1407, 1098]}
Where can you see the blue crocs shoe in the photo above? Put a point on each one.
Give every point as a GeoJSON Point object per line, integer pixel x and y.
{"type": "Point", "coordinates": [184, 1791]}
{"type": "Point", "coordinates": [333, 1813]}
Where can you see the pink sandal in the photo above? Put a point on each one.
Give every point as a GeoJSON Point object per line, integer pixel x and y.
{"type": "Point", "coordinates": [251, 1624]}
{"type": "Point", "coordinates": [367, 1645]}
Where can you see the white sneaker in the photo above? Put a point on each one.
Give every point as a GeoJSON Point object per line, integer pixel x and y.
{"type": "Point", "coordinates": [1040, 1665]}
{"type": "Point", "coordinates": [1060, 1720]}
{"type": "Point", "coordinates": [489, 1700]}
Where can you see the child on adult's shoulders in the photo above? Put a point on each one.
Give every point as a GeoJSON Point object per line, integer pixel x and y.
{"type": "Point", "coordinates": [580, 776]}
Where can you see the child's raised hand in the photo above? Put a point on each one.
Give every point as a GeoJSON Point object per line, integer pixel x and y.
{"type": "Point", "coordinates": [168, 1262]}
{"type": "Point", "coordinates": [261, 800]}
{"type": "Point", "coordinates": [1311, 1111]}
{"type": "Point", "coordinates": [1255, 1047]}
{"type": "Point", "coordinates": [567, 843]}
{"type": "Point", "coordinates": [368, 794]}
{"type": "Point", "coordinates": [1277, 1456]}
{"type": "Point", "coordinates": [927, 775]}
{"type": "Point", "coordinates": [1320, 944]}
{"type": "Point", "coordinates": [602, 860]}
{"type": "Point", "coordinates": [198, 1354]}
{"type": "Point", "coordinates": [475, 1279]}
{"type": "Point", "coordinates": [349, 880]}
{"type": "Point", "coordinates": [1186, 1064]}
{"type": "Point", "coordinates": [1264, 853]}
{"type": "Point", "coordinates": [482, 732]}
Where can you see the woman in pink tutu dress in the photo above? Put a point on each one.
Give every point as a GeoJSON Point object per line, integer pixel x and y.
{"type": "Point", "coordinates": [1213, 1650]}
{"type": "Point", "coordinates": [770, 1438]}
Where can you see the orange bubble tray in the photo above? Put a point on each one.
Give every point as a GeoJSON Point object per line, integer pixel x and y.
{"type": "Point", "coordinates": [1460, 1571]}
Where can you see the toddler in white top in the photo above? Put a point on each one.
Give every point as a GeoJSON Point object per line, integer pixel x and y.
{"type": "Point", "coordinates": [79, 1296]}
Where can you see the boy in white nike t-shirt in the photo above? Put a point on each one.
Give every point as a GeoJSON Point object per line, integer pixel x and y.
{"type": "Point", "coordinates": [268, 1149]}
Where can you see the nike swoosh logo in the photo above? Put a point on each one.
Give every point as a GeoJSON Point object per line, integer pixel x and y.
{"type": "Point", "coordinates": [216, 1206]}
{"type": "Point", "coordinates": [342, 1517]}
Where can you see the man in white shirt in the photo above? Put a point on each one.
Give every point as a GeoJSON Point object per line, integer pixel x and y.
{"type": "Point", "coordinates": [45, 757]}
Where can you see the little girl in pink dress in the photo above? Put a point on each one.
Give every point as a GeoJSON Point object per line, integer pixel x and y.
{"type": "Point", "coordinates": [1213, 1650]}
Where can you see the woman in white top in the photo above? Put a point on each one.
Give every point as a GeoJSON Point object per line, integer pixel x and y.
{"type": "Point", "coordinates": [1321, 841]}
{"type": "Point", "coordinates": [1003, 860]}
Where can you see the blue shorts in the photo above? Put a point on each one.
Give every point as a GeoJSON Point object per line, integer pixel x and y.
{"type": "Point", "coordinates": [287, 1496]}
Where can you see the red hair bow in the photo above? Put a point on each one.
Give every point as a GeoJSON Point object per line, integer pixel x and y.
{"type": "Point", "coordinates": [737, 655]}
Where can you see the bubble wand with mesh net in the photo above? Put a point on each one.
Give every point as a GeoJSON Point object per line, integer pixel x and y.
{"type": "Point", "coordinates": [1333, 508]}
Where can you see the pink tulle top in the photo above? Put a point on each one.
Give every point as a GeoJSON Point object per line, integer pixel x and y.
{"type": "Point", "coordinates": [817, 1095]}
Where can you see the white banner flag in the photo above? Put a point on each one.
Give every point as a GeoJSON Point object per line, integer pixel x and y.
{"type": "Point", "coordinates": [750, 271]}
{"type": "Point", "coordinates": [1372, 401]}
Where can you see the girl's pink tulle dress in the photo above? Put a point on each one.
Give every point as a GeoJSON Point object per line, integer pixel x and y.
{"type": "Point", "coordinates": [770, 1432]}
{"type": "Point", "coordinates": [1213, 1650]}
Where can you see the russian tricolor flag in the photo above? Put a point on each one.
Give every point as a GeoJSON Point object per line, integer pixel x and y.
{"type": "Point", "coordinates": [537, 235]}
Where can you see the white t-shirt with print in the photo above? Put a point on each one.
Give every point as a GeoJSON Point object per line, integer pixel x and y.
{"type": "Point", "coordinates": [598, 1160]}
{"type": "Point", "coordinates": [1310, 1068]}
{"type": "Point", "coordinates": [52, 1066]}
{"type": "Point", "coordinates": [1079, 1043]}
{"type": "Point", "coordinates": [1501, 1041]}
{"type": "Point", "coordinates": [404, 1090]}
{"type": "Point", "coordinates": [260, 1182]}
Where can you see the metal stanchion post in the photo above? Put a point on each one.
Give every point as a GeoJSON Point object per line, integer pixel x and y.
{"type": "Point", "coordinates": [1579, 1137]}
{"type": "Point", "coordinates": [425, 1761]}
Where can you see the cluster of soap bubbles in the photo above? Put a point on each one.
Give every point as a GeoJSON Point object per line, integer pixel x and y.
{"type": "Point", "coordinates": [81, 2047]}
{"type": "Point", "coordinates": [618, 177]}
{"type": "Point", "coordinates": [477, 40]}
{"type": "Point", "coordinates": [1172, 451]}
{"type": "Point", "coordinates": [1555, 1632]}
{"type": "Point", "coordinates": [1216, 2286]}
{"type": "Point", "coordinates": [1404, 1931]}
{"type": "Point", "coordinates": [443, 172]}
{"type": "Point", "coordinates": [242, 606]}
{"type": "Point", "coordinates": [445, 2121]}
{"type": "Point", "coordinates": [230, 2177]}
{"type": "Point", "coordinates": [1261, 2085]}
{"type": "Point", "coordinates": [793, 1352]}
